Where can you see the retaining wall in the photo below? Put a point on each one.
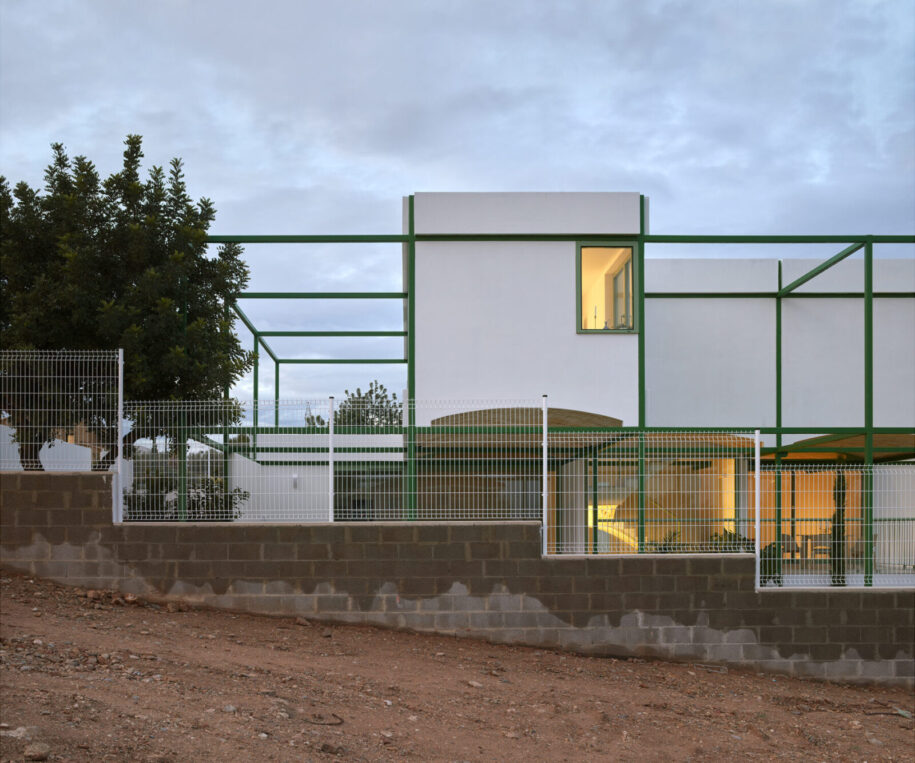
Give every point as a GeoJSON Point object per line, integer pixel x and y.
{"type": "Point", "coordinates": [484, 580]}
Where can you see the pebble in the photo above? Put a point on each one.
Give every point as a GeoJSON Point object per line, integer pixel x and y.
{"type": "Point", "coordinates": [229, 709]}
{"type": "Point", "coordinates": [327, 633]}
{"type": "Point", "coordinates": [475, 684]}
{"type": "Point", "coordinates": [36, 751]}
{"type": "Point", "coordinates": [262, 735]}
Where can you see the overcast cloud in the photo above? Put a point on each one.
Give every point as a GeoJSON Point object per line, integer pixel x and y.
{"type": "Point", "coordinates": [308, 117]}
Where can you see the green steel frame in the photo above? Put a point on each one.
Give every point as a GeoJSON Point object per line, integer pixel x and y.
{"type": "Point", "coordinates": [409, 240]}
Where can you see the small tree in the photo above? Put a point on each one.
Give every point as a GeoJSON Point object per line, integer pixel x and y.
{"type": "Point", "coordinates": [375, 408]}
{"type": "Point", "coordinates": [121, 262]}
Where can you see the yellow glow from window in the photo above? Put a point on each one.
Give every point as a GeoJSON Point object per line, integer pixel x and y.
{"type": "Point", "coordinates": [606, 287]}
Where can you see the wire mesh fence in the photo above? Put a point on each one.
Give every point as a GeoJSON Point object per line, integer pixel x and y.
{"type": "Point", "coordinates": [628, 492]}
{"type": "Point", "coordinates": [311, 461]}
{"type": "Point", "coordinates": [58, 409]}
{"type": "Point", "coordinates": [847, 525]}
{"type": "Point", "coordinates": [598, 488]}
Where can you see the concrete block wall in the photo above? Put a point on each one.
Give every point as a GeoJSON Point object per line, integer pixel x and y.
{"type": "Point", "coordinates": [484, 580]}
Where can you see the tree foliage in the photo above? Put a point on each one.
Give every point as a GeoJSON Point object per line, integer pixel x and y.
{"type": "Point", "coordinates": [374, 408]}
{"type": "Point", "coordinates": [122, 262]}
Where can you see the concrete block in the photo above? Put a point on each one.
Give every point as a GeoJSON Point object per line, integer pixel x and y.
{"type": "Point", "coordinates": [876, 669]}
{"type": "Point", "coordinates": [677, 634]}
{"type": "Point", "coordinates": [450, 621]}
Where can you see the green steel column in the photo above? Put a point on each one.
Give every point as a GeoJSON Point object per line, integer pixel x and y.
{"type": "Point", "coordinates": [411, 363]}
{"type": "Point", "coordinates": [182, 466]}
{"type": "Point", "coordinates": [776, 570]}
{"type": "Point", "coordinates": [640, 312]}
{"type": "Point", "coordinates": [869, 412]}
{"type": "Point", "coordinates": [225, 429]}
{"type": "Point", "coordinates": [256, 364]}
{"type": "Point", "coordinates": [594, 503]}
{"type": "Point", "coordinates": [642, 492]}
{"type": "Point", "coordinates": [182, 435]}
{"type": "Point", "coordinates": [640, 274]}
{"type": "Point", "coordinates": [276, 393]}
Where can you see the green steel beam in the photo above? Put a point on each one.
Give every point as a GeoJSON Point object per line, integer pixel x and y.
{"type": "Point", "coordinates": [333, 361]}
{"type": "Point", "coordinates": [649, 238]}
{"type": "Point", "coordinates": [249, 324]}
{"type": "Point", "coordinates": [314, 449]}
{"type": "Point", "coordinates": [496, 237]}
{"type": "Point", "coordinates": [774, 294]}
{"type": "Point", "coordinates": [317, 239]}
{"type": "Point", "coordinates": [823, 266]}
{"type": "Point", "coordinates": [332, 333]}
{"type": "Point", "coordinates": [267, 347]}
{"type": "Point", "coordinates": [664, 239]}
{"type": "Point", "coordinates": [322, 295]}
{"type": "Point", "coordinates": [441, 431]}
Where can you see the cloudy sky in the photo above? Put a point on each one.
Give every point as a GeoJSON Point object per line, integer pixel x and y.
{"type": "Point", "coordinates": [771, 116]}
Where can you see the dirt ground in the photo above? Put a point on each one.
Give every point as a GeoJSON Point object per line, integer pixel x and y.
{"type": "Point", "coordinates": [91, 676]}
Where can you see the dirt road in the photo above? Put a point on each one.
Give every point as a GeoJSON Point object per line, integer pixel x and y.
{"type": "Point", "coordinates": [96, 677]}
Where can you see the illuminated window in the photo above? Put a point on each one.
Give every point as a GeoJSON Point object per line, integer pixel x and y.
{"type": "Point", "coordinates": [606, 288]}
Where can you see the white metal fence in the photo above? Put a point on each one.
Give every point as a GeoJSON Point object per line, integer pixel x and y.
{"type": "Point", "coordinates": [630, 491]}
{"type": "Point", "coordinates": [849, 525]}
{"type": "Point", "coordinates": [598, 488]}
{"type": "Point", "coordinates": [59, 409]}
{"type": "Point", "coordinates": [314, 461]}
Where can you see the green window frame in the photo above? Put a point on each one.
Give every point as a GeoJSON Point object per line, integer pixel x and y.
{"type": "Point", "coordinates": [624, 277]}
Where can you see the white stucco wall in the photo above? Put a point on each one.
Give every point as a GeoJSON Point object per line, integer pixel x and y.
{"type": "Point", "coordinates": [894, 362]}
{"type": "Point", "coordinates": [502, 213]}
{"type": "Point", "coordinates": [710, 362]}
{"type": "Point", "coordinates": [497, 321]}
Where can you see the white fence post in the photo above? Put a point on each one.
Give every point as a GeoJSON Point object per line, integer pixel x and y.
{"type": "Point", "coordinates": [545, 493]}
{"type": "Point", "coordinates": [758, 509]}
{"type": "Point", "coordinates": [330, 461]}
{"type": "Point", "coordinates": [117, 499]}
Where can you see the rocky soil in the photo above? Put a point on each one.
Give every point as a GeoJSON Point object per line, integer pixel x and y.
{"type": "Point", "coordinates": [93, 676]}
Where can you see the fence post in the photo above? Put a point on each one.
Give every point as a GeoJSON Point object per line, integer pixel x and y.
{"type": "Point", "coordinates": [757, 490]}
{"type": "Point", "coordinates": [181, 445]}
{"type": "Point", "coordinates": [330, 461]}
{"type": "Point", "coordinates": [117, 503]}
{"type": "Point", "coordinates": [544, 526]}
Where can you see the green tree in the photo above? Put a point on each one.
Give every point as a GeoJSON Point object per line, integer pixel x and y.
{"type": "Point", "coordinates": [121, 262]}
{"type": "Point", "coordinates": [374, 408]}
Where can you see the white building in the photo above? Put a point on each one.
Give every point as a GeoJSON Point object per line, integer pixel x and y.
{"type": "Point", "coordinates": [523, 294]}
